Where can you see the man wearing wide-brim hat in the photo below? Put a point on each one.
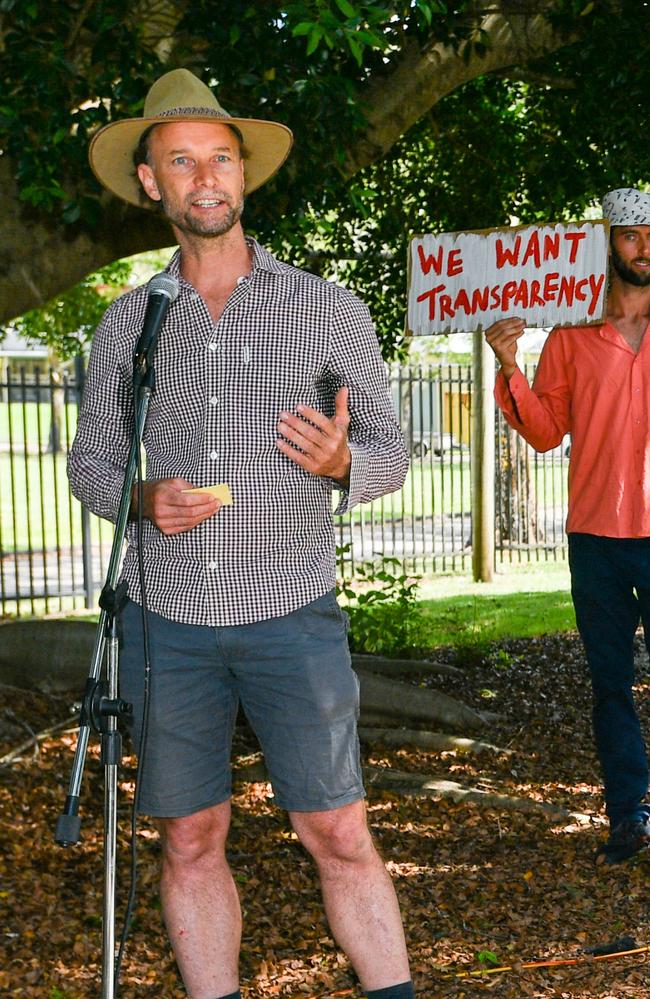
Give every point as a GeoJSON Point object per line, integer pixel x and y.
{"type": "Point", "coordinates": [270, 391]}
{"type": "Point", "coordinates": [594, 383]}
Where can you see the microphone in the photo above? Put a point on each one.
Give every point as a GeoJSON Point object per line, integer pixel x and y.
{"type": "Point", "coordinates": [162, 291]}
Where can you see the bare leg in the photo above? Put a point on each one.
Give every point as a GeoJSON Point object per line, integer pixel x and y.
{"type": "Point", "coordinates": [200, 901]}
{"type": "Point", "coordinates": [359, 896]}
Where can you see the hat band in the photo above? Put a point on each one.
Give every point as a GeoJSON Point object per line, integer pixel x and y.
{"type": "Point", "coordinates": [185, 112]}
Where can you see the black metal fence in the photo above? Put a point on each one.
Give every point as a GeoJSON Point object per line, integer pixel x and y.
{"type": "Point", "coordinates": [54, 554]}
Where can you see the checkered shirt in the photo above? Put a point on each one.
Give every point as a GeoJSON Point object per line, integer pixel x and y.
{"type": "Point", "coordinates": [285, 337]}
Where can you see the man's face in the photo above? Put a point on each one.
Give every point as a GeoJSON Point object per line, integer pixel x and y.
{"type": "Point", "coordinates": [630, 253]}
{"type": "Point", "coordinates": [196, 171]}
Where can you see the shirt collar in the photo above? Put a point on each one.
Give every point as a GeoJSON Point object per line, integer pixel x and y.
{"type": "Point", "coordinates": [609, 332]}
{"type": "Point", "coordinates": [262, 261]}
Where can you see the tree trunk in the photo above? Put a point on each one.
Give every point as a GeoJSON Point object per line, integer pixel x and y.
{"type": "Point", "coordinates": [427, 786]}
{"type": "Point", "coordinates": [402, 667]}
{"type": "Point", "coordinates": [517, 522]}
{"type": "Point", "coordinates": [397, 702]}
{"type": "Point", "coordinates": [40, 258]}
{"type": "Point", "coordinates": [437, 741]}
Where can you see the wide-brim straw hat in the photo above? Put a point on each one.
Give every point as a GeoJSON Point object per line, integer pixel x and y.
{"type": "Point", "coordinates": [181, 96]}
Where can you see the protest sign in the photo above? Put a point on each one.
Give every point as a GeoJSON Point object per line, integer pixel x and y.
{"type": "Point", "coordinates": [544, 274]}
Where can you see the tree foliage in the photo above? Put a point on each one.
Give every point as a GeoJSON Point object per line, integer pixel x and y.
{"type": "Point", "coordinates": [67, 323]}
{"type": "Point", "coordinates": [409, 116]}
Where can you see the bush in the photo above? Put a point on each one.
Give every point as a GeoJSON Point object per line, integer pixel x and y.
{"type": "Point", "coordinates": [381, 602]}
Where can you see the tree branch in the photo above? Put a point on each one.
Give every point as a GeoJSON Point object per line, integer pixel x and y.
{"type": "Point", "coordinates": [520, 73]}
{"type": "Point", "coordinates": [424, 75]}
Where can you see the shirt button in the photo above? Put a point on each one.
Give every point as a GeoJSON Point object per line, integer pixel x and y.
{"type": "Point", "coordinates": [214, 455]}
{"type": "Point", "coordinates": [214, 400]}
{"type": "Point", "coordinates": [212, 566]}
{"type": "Point", "coordinates": [637, 390]}
{"type": "Point", "coordinates": [212, 345]}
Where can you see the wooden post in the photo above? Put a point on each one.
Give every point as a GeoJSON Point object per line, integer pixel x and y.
{"type": "Point", "coordinates": [483, 367]}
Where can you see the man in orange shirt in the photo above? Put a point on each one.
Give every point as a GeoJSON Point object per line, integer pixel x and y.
{"type": "Point", "coordinates": [594, 383]}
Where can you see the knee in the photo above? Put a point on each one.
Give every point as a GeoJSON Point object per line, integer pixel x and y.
{"type": "Point", "coordinates": [338, 836]}
{"type": "Point", "coordinates": [193, 839]}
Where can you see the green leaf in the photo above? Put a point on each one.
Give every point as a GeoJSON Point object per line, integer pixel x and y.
{"type": "Point", "coordinates": [425, 10]}
{"type": "Point", "coordinates": [315, 36]}
{"type": "Point", "coordinates": [303, 28]}
{"type": "Point", "coordinates": [347, 9]}
{"type": "Point", "coordinates": [355, 49]}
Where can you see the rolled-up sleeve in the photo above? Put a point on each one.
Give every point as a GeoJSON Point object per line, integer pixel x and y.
{"type": "Point", "coordinates": [379, 456]}
{"type": "Point", "coordinates": [541, 413]}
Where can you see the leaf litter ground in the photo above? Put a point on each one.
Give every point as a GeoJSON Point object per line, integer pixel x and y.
{"type": "Point", "coordinates": [476, 886]}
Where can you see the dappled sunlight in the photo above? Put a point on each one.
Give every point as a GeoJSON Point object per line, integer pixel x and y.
{"type": "Point", "coordinates": [476, 883]}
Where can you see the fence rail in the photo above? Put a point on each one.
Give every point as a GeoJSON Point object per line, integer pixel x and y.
{"type": "Point", "coordinates": [54, 554]}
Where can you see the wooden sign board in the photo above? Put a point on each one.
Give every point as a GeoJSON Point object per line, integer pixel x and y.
{"type": "Point", "coordinates": [547, 275]}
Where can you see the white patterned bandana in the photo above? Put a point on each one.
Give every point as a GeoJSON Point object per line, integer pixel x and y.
{"type": "Point", "coordinates": [627, 206]}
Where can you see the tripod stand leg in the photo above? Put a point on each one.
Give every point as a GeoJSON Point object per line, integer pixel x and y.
{"type": "Point", "coordinates": [111, 757]}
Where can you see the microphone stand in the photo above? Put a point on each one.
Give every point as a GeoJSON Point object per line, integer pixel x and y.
{"type": "Point", "coordinates": [101, 707]}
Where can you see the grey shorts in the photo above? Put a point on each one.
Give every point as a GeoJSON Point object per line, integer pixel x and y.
{"type": "Point", "coordinates": [295, 682]}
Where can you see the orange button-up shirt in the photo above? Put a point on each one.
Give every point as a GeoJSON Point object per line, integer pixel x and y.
{"type": "Point", "coordinates": [590, 383]}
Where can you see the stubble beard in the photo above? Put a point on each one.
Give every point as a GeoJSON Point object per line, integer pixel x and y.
{"type": "Point", "coordinates": [627, 274]}
{"type": "Point", "coordinates": [192, 225]}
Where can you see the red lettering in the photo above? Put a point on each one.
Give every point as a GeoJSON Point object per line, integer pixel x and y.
{"type": "Point", "coordinates": [426, 263]}
{"type": "Point", "coordinates": [506, 255]}
{"type": "Point", "coordinates": [509, 291]}
{"type": "Point", "coordinates": [445, 307]}
{"type": "Point", "coordinates": [454, 263]}
{"type": "Point", "coordinates": [595, 284]}
{"type": "Point", "coordinates": [532, 250]}
{"type": "Point", "coordinates": [567, 290]}
{"type": "Point", "coordinates": [574, 239]}
{"type": "Point", "coordinates": [580, 294]}
{"type": "Point", "coordinates": [462, 302]}
{"type": "Point", "coordinates": [480, 299]}
{"type": "Point", "coordinates": [431, 295]}
{"type": "Point", "coordinates": [521, 298]}
{"type": "Point", "coordinates": [551, 246]}
{"type": "Point", "coordinates": [535, 298]}
{"type": "Point", "coordinates": [550, 286]}
{"type": "Point", "coordinates": [495, 297]}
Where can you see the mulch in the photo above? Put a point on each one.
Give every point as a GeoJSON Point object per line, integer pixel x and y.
{"type": "Point", "coordinates": [479, 888]}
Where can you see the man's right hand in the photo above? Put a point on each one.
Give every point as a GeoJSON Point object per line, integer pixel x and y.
{"type": "Point", "coordinates": [502, 337]}
{"type": "Point", "coordinates": [172, 510]}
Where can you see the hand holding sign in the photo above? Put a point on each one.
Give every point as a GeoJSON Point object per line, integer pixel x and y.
{"type": "Point", "coordinates": [502, 337]}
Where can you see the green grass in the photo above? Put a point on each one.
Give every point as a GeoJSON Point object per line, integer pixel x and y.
{"type": "Point", "coordinates": [35, 507]}
{"type": "Point", "coordinates": [37, 510]}
{"type": "Point", "coordinates": [31, 422]}
{"type": "Point", "coordinates": [520, 603]}
{"type": "Point", "coordinates": [446, 489]}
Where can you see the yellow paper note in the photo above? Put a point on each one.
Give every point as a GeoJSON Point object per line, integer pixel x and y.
{"type": "Point", "coordinates": [220, 491]}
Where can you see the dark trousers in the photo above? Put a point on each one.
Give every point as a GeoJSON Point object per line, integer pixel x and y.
{"type": "Point", "coordinates": [610, 585]}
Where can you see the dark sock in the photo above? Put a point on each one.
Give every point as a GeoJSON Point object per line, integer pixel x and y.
{"type": "Point", "coordinates": [403, 991]}
{"type": "Point", "coordinates": [232, 995]}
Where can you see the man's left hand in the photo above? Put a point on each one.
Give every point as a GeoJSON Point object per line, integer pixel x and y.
{"type": "Point", "coordinates": [316, 443]}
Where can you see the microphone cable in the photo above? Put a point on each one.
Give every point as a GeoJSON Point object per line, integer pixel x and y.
{"type": "Point", "coordinates": [128, 915]}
